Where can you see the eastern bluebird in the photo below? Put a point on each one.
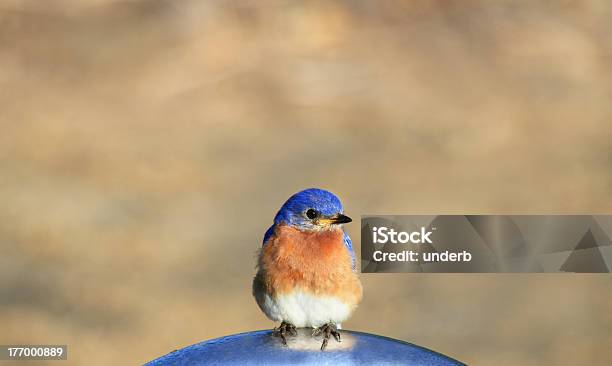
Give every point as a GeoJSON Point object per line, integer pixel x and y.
{"type": "Point", "coordinates": [306, 270]}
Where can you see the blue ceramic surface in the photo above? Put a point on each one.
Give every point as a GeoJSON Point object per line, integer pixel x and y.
{"type": "Point", "coordinates": [260, 348]}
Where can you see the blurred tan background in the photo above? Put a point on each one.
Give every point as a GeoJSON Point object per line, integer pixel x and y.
{"type": "Point", "coordinates": [145, 147]}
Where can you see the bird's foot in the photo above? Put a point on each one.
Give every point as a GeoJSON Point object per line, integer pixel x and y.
{"type": "Point", "coordinates": [327, 330]}
{"type": "Point", "coordinates": [283, 330]}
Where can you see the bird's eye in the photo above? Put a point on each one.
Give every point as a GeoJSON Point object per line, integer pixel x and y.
{"type": "Point", "coordinates": [312, 214]}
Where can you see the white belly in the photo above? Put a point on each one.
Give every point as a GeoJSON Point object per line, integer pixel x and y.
{"type": "Point", "coordinates": [304, 310]}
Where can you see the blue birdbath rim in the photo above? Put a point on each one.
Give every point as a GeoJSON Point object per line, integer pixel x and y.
{"type": "Point", "coordinates": [261, 348]}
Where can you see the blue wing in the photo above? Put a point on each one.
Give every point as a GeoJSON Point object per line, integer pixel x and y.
{"type": "Point", "coordinates": [349, 246]}
{"type": "Point", "coordinates": [268, 234]}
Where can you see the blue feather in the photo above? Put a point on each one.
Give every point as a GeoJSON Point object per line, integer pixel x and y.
{"type": "Point", "coordinates": [268, 234]}
{"type": "Point", "coordinates": [349, 246]}
{"type": "Point", "coordinates": [292, 211]}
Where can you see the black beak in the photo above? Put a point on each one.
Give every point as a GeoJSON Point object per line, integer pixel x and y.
{"type": "Point", "coordinates": [340, 219]}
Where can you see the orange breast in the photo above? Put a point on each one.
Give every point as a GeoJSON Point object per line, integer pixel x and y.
{"type": "Point", "coordinates": [315, 262]}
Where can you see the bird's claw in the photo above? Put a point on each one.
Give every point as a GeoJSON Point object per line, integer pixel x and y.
{"type": "Point", "coordinates": [283, 330]}
{"type": "Point", "coordinates": [327, 330]}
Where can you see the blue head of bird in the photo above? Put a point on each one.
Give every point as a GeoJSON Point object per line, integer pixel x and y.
{"type": "Point", "coordinates": [312, 209]}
